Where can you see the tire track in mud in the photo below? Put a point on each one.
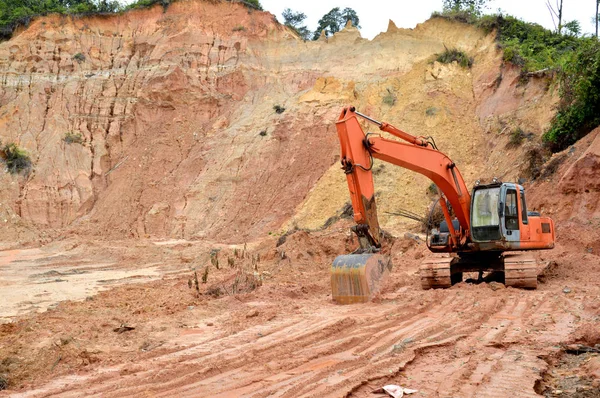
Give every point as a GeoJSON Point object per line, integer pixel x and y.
{"type": "Point", "coordinates": [476, 346]}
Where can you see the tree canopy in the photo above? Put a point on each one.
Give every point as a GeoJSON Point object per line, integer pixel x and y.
{"type": "Point", "coordinates": [294, 20]}
{"type": "Point", "coordinates": [474, 6]}
{"type": "Point", "coordinates": [335, 20]}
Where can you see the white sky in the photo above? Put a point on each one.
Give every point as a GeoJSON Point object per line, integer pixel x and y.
{"type": "Point", "coordinates": [374, 14]}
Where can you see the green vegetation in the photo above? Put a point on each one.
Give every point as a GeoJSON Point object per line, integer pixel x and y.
{"type": "Point", "coordinates": [541, 52]}
{"type": "Point", "coordinates": [389, 98]}
{"type": "Point", "coordinates": [579, 108]}
{"type": "Point", "coordinates": [149, 3]}
{"type": "Point", "coordinates": [335, 20]}
{"type": "Point", "coordinates": [516, 137]}
{"type": "Point", "coordinates": [14, 13]}
{"type": "Point", "coordinates": [431, 111]}
{"type": "Point", "coordinates": [73, 138]}
{"type": "Point", "coordinates": [20, 12]}
{"type": "Point", "coordinates": [79, 57]}
{"type": "Point", "coordinates": [239, 28]}
{"type": "Point", "coordinates": [294, 20]}
{"type": "Point", "coordinates": [278, 109]}
{"type": "Point", "coordinates": [253, 3]}
{"type": "Point", "coordinates": [451, 55]}
{"type": "Point", "coordinates": [15, 158]}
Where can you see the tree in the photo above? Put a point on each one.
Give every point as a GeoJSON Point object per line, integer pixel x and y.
{"type": "Point", "coordinates": [573, 28]}
{"type": "Point", "coordinates": [294, 20]}
{"type": "Point", "coordinates": [335, 20]}
{"type": "Point", "coordinates": [556, 12]}
{"type": "Point", "coordinates": [473, 6]}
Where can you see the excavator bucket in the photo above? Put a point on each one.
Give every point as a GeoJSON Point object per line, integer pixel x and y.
{"type": "Point", "coordinates": [356, 278]}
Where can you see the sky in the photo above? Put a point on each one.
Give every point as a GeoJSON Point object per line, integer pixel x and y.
{"type": "Point", "coordinates": [375, 14]}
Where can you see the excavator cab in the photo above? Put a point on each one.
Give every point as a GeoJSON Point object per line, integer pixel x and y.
{"type": "Point", "coordinates": [500, 220]}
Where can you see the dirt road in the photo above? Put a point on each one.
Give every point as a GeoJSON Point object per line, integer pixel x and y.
{"type": "Point", "coordinates": [286, 338]}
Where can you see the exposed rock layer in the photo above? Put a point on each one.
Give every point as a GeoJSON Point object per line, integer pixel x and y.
{"type": "Point", "coordinates": [179, 136]}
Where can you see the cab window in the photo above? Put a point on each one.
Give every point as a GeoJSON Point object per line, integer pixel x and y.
{"type": "Point", "coordinates": [523, 207]}
{"type": "Point", "coordinates": [511, 215]}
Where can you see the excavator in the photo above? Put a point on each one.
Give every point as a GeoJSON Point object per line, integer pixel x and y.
{"type": "Point", "coordinates": [484, 231]}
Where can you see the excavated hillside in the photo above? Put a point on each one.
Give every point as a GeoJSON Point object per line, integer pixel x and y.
{"type": "Point", "coordinates": [179, 138]}
{"type": "Point", "coordinates": [174, 234]}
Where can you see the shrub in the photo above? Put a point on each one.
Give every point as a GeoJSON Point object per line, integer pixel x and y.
{"type": "Point", "coordinates": [73, 138]}
{"type": "Point", "coordinates": [431, 111]}
{"type": "Point", "coordinates": [451, 55]}
{"type": "Point", "coordinates": [457, 16]}
{"type": "Point", "coordinates": [278, 109]}
{"type": "Point", "coordinates": [516, 137]}
{"type": "Point", "coordinates": [79, 57]}
{"type": "Point", "coordinates": [389, 98]}
{"type": "Point", "coordinates": [239, 28]}
{"type": "Point", "coordinates": [149, 3]}
{"type": "Point", "coordinates": [16, 159]}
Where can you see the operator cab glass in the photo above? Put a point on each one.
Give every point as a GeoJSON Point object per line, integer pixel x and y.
{"type": "Point", "coordinates": [485, 217]}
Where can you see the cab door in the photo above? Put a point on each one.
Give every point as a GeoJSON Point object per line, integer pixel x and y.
{"type": "Point", "coordinates": [510, 213]}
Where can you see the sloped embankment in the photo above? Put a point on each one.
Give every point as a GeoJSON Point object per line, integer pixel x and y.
{"type": "Point", "coordinates": [177, 136]}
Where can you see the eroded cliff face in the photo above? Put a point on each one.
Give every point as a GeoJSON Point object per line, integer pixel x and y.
{"type": "Point", "coordinates": [179, 135]}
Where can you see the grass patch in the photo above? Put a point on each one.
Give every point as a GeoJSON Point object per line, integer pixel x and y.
{"type": "Point", "coordinates": [451, 55]}
{"type": "Point", "coordinates": [239, 28]}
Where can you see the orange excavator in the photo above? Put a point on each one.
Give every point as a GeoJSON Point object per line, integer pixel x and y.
{"type": "Point", "coordinates": [487, 233]}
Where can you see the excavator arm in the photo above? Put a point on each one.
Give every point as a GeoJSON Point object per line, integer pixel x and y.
{"type": "Point", "coordinates": [416, 154]}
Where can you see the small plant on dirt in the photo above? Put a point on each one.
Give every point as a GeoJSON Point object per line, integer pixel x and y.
{"type": "Point", "coordinates": [214, 291]}
{"type": "Point", "coordinates": [214, 258]}
{"type": "Point", "coordinates": [3, 383]}
{"type": "Point", "coordinates": [231, 262]}
{"type": "Point", "coordinates": [205, 275]}
{"type": "Point", "coordinates": [516, 137]}
{"type": "Point", "coordinates": [389, 98]}
{"type": "Point", "coordinates": [451, 55]}
{"type": "Point", "coordinates": [278, 109]}
{"type": "Point", "coordinates": [73, 138]}
{"type": "Point", "coordinates": [16, 159]}
{"type": "Point", "coordinates": [263, 133]}
{"type": "Point", "coordinates": [432, 189]}
{"type": "Point", "coordinates": [431, 111]}
{"type": "Point", "coordinates": [79, 57]}
{"type": "Point", "coordinates": [239, 28]}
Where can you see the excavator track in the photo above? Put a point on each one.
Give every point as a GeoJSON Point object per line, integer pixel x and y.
{"type": "Point", "coordinates": [520, 270]}
{"type": "Point", "coordinates": [436, 273]}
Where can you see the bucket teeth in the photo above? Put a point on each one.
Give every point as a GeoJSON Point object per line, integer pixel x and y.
{"type": "Point", "coordinates": [356, 278]}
